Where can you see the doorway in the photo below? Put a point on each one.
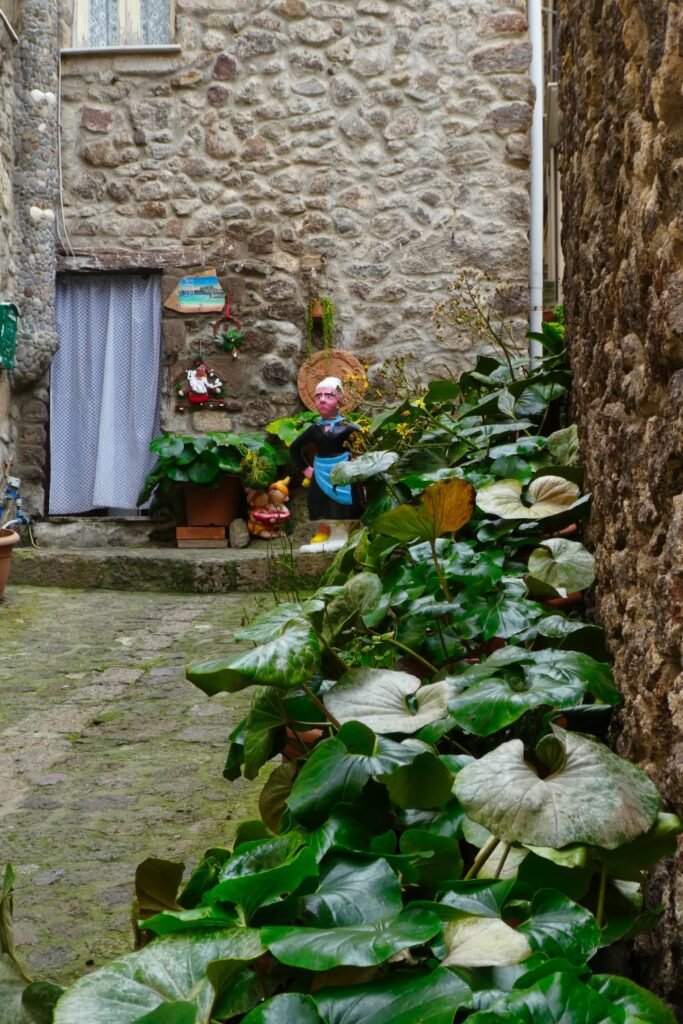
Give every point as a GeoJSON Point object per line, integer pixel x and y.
{"type": "Point", "coordinates": [104, 391]}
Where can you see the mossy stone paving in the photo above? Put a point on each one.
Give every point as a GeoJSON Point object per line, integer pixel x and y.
{"type": "Point", "coordinates": [107, 756]}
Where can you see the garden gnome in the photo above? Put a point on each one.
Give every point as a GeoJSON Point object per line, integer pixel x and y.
{"type": "Point", "coordinates": [267, 511]}
{"type": "Point", "coordinates": [328, 436]}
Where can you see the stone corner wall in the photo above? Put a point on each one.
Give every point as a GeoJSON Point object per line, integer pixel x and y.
{"type": "Point", "coordinates": [366, 150]}
{"type": "Point", "coordinates": [8, 266]}
{"type": "Point", "coordinates": [622, 166]}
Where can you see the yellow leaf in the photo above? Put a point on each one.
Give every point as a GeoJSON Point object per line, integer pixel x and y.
{"type": "Point", "coordinates": [450, 504]}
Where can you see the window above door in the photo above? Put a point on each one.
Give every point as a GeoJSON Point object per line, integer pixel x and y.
{"type": "Point", "coordinates": [117, 23]}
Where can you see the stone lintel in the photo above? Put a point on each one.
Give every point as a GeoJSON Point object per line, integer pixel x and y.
{"type": "Point", "coordinates": [129, 259]}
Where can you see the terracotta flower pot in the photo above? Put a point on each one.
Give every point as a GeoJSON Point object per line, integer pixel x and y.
{"type": "Point", "coordinates": [213, 506]}
{"type": "Point", "coordinates": [8, 539]}
{"type": "Point", "coordinates": [316, 309]}
{"type": "Point", "coordinates": [570, 601]}
{"type": "Point", "coordinates": [299, 743]}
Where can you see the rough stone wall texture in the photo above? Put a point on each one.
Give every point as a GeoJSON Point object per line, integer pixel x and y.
{"type": "Point", "coordinates": [366, 150]}
{"type": "Point", "coordinates": [622, 68]}
{"type": "Point", "coordinates": [8, 266]}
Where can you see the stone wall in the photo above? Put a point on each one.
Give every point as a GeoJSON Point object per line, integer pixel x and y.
{"type": "Point", "coordinates": [621, 74]}
{"type": "Point", "coordinates": [7, 255]}
{"type": "Point", "coordinates": [366, 150]}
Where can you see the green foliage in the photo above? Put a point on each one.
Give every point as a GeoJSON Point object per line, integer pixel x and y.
{"type": "Point", "coordinates": [205, 459]}
{"type": "Point", "coordinates": [448, 837]}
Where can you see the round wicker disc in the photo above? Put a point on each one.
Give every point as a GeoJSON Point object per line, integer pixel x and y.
{"type": "Point", "coordinates": [333, 363]}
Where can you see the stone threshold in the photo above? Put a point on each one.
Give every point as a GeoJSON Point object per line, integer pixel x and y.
{"type": "Point", "coordinates": [262, 567]}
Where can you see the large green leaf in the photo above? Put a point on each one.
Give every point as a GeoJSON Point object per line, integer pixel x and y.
{"type": "Point", "coordinates": [359, 595]}
{"type": "Point", "coordinates": [353, 892]}
{"type": "Point", "coordinates": [169, 970]}
{"type": "Point", "coordinates": [483, 942]}
{"type": "Point", "coordinates": [379, 698]}
{"type": "Point", "coordinates": [288, 1008]}
{"type": "Point", "coordinates": [563, 445]}
{"type": "Point", "coordinates": [555, 678]}
{"type": "Point", "coordinates": [426, 783]}
{"type": "Point", "coordinates": [205, 469]}
{"type": "Point", "coordinates": [171, 921]}
{"type": "Point", "coordinates": [560, 998]}
{"type": "Point", "coordinates": [285, 662]}
{"type": "Point", "coordinates": [330, 776]}
{"type": "Point", "coordinates": [404, 998]}
{"type": "Point", "coordinates": [640, 1006]}
{"type": "Point", "coordinates": [630, 860]}
{"type": "Point", "coordinates": [262, 871]}
{"type": "Point", "coordinates": [362, 945]}
{"type": "Point", "coordinates": [546, 496]}
{"type": "Point", "coordinates": [494, 703]}
{"type": "Point", "coordinates": [558, 927]}
{"type": "Point", "coordinates": [267, 715]}
{"type": "Point", "coordinates": [271, 624]}
{"type": "Point", "coordinates": [405, 523]}
{"type": "Point", "coordinates": [363, 467]}
{"type": "Point", "coordinates": [592, 796]}
{"type": "Point", "coordinates": [563, 564]}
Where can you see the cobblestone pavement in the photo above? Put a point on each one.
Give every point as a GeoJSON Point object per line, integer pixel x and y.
{"type": "Point", "coordinates": [107, 756]}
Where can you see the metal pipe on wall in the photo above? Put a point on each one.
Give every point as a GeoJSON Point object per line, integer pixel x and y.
{"type": "Point", "coordinates": [535, 21]}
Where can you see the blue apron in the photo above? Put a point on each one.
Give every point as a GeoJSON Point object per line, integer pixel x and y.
{"type": "Point", "coordinates": [322, 467]}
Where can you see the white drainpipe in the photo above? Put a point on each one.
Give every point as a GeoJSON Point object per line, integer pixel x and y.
{"type": "Point", "coordinates": [535, 20]}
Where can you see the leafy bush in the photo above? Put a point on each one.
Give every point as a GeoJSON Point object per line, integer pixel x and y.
{"type": "Point", "coordinates": [448, 838]}
{"type": "Point", "coordinates": [205, 458]}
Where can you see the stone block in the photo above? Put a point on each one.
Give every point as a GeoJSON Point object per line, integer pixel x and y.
{"type": "Point", "coordinates": [95, 120]}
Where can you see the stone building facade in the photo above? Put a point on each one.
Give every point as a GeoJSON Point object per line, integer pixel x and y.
{"type": "Point", "coordinates": [369, 151]}
{"type": "Point", "coordinates": [622, 68]}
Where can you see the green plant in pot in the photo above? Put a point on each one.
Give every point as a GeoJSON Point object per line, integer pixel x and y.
{"type": "Point", "coordinates": [320, 321]}
{"type": "Point", "coordinates": [203, 463]}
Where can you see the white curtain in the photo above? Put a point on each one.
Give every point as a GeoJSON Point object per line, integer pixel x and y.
{"type": "Point", "coordinates": [104, 390]}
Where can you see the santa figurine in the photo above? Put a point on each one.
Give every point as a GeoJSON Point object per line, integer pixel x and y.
{"type": "Point", "coordinates": [202, 384]}
{"type": "Point", "coordinates": [328, 438]}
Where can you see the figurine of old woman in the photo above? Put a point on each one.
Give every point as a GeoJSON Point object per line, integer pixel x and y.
{"type": "Point", "coordinates": [328, 439]}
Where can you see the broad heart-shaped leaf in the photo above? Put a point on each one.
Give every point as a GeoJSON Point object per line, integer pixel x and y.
{"type": "Point", "coordinates": [555, 678]}
{"type": "Point", "coordinates": [288, 1008]}
{"type": "Point", "coordinates": [267, 714]}
{"type": "Point", "coordinates": [630, 860]}
{"type": "Point", "coordinates": [547, 495]}
{"type": "Point", "coordinates": [592, 797]}
{"type": "Point", "coordinates": [353, 892]}
{"type": "Point", "coordinates": [450, 504]}
{"type": "Point", "coordinates": [270, 624]}
{"type": "Point", "coordinates": [558, 927]}
{"type": "Point", "coordinates": [363, 467]}
{"type": "Point", "coordinates": [406, 523]}
{"type": "Point", "coordinates": [362, 945]}
{"type": "Point", "coordinates": [401, 998]}
{"type": "Point", "coordinates": [563, 445]}
{"type": "Point", "coordinates": [640, 1006]}
{"type": "Point", "coordinates": [360, 594]}
{"type": "Point", "coordinates": [483, 942]}
{"type": "Point", "coordinates": [169, 970]}
{"type": "Point", "coordinates": [330, 776]}
{"type": "Point", "coordinates": [287, 661]}
{"type": "Point", "coordinates": [424, 784]}
{"type": "Point", "coordinates": [379, 699]}
{"type": "Point", "coordinates": [563, 564]}
{"type": "Point", "coordinates": [560, 998]}
{"type": "Point", "coordinates": [260, 872]}
{"type": "Point", "coordinates": [494, 703]}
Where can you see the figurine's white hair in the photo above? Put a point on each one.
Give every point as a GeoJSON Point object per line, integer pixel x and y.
{"type": "Point", "coordinates": [333, 383]}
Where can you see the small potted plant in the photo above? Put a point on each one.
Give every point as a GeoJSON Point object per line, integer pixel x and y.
{"type": "Point", "coordinates": [212, 470]}
{"type": "Point", "coordinates": [320, 322]}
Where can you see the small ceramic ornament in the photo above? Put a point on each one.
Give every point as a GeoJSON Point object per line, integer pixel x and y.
{"type": "Point", "coordinates": [199, 387]}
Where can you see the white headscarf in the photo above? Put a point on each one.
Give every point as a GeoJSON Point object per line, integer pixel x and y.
{"type": "Point", "coordinates": [333, 383]}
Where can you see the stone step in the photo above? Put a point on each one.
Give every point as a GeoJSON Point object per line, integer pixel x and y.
{"type": "Point", "coordinates": [260, 567]}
